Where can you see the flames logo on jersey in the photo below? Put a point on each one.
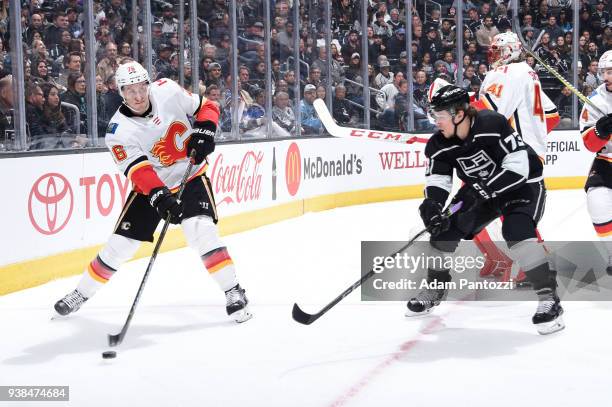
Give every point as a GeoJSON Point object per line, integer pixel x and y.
{"type": "Point", "coordinates": [171, 147]}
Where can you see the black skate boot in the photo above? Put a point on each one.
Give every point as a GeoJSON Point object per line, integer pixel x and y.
{"type": "Point", "coordinates": [237, 304]}
{"type": "Point", "coordinates": [548, 317]}
{"type": "Point", "coordinates": [609, 268]}
{"type": "Point", "coordinates": [70, 303]}
{"type": "Point", "coordinates": [424, 302]}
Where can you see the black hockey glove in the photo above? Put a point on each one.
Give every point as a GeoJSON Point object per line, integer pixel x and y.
{"type": "Point", "coordinates": [166, 204]}
{"type": "Point", "coordinates": [202, 140]}
{"type": "Point", "coordinates": [603, 127]}
{"type": "Point", "coordinates": [471, 196]}
{"type": "Point", "coordinates": [431, 213]}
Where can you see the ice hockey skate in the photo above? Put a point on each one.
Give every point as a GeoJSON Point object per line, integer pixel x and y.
{"type": "Point", "coordinates": [427, 299]}
{"type": "Point", "coordinates": [549, 315]}
{"type": "Point", "coordinates": [609, 268]}
{"type": "Point", "coordinates": [70, 303]}
{"type": "Point", "coordinates": [237, 304]}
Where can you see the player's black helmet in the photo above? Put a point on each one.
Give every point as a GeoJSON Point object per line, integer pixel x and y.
{"type": "Point", "coordinates": [450, 97]}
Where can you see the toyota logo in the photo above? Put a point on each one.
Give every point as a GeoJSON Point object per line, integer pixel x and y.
{"type": "Point", "coordinates": [50, 203]}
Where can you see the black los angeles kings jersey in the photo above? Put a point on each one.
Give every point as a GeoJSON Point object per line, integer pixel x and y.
{"type": "Point", "coordinates": [493, 155]}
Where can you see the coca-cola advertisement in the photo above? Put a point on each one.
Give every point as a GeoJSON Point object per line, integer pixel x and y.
{"type": "Point", "coordinates": [237, 179]}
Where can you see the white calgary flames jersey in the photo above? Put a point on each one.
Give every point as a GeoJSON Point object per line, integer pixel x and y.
{"type": "Point", "coordinates": [589, 116]}
{"type": "Point", "coordinates": [160, 138]}
{"type": "Point", "coordinates": [515, 91]}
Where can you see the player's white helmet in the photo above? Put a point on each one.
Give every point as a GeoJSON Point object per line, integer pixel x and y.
{"type": "Point", "coordinates": [130, 73]}
{"type": "Point", "coordinates": [605, 62]}
{"type": "Point", "coordinates": [505, 48]}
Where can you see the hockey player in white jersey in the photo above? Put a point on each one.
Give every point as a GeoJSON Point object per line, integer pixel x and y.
{"type": "Point", "coordinates": [150, 139]}
{"type": "Point", "coordinates": [596, 135]}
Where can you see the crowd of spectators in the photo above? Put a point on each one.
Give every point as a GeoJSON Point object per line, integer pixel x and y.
{"type": "Point", "coordinates": [55, 58]}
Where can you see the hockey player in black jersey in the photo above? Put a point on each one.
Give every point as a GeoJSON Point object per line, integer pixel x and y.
{"type": "Point", "coordinates": [502, 176]}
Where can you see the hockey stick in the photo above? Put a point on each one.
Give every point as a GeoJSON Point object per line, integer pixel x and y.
{"type": "Point", "coordinates": [349, 132]}
{"type": "Point", "coordinates": [115, 340]}
{"type": "Point", "coordinates": [307, 319]}
{"type": "Point", "coordinates": [549, 68]}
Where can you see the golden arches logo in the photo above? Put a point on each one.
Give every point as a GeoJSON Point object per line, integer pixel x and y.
{"type": "Point", "coordinates": [293, 169]}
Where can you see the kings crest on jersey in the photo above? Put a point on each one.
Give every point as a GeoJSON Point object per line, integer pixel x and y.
{"type": "Point", "coordinates": [491, 152]}
{"type": "Point", "coordinates": [159, 136]}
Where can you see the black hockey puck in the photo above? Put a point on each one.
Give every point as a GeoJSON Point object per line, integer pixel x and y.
{"type": "Point", "coordinates": [109, 354]}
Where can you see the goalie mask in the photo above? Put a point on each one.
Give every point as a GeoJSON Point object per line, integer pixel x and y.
{"type": "Point", "coordinates": [505, 48]}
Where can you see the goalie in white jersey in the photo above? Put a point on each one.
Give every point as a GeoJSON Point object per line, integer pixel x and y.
{"type": "Point", "coordinates": [596, 135]}
{"type": "Point", "coordinates": [150, 137]}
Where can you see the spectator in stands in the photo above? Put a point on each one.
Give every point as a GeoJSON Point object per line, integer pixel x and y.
{"type": "Point", "coordinates": [162, 65]}
{"type": "Point", "coordinates": [109, 64]}
{"type": "Point", "coordinates": [282, 113]}
{"type": "Point", "coordinates": [74, 25]}
{"type": "Point", "coordinates": [376, 48]}
{"type": "Point", "coordinates": [552, 28]}
{"type": "Point", "coordinates": [354, 88]}
{"type": "Point", "coordinates": [215, 77]}
{"type": "Point", "coordinates": [35, 100]}
{"type": "Point", "coordinates": [564, 107]}
{"type": "Point", "coordinates": [244, 73]}
{"type": "Point", "coordinates": [385, 76]}
{"type": "Point", "coordinates": [447, 35]}
{"type": "Point", "coordinates": [380, 26]}
{"type": "Point", "coordinates": [403, 62]}
{"type": "Point", "coordinates": [125, 50]}
{"type": "Point", "coordinates": [352, 46]}
{"type": "Point", "coordinates": [394, 21]}
{"type": "Point", "coordinates": [337, 71]}
{"type": "Point", "coordinates": [168, 20]}
{"type": "Point", "coordinates": [290, 79]}
{"type": "Point", "coordinates": [7, 121]}
{"type": "Point", "coordinates": [431, 43]}
{"type": "Point", "coordinates": [420, 90]}
{"type": "Point", "coordinates": [426, 66]}
{"type": "Point", "coordinates": [36, 26]}
{"type": "Point", "coordinates": [386, 101]}
{"type": "Point", "coordinates": [396, 44]}
{"type": "Point", "coordinates": [321, 92]}
{"type": "Point", "coordinates": [53, 33]}
{"type": "Point", "coordinates": [112, 99]}
{"type": "Point", "coordinates": [72, 64]}
{"type": "Point", "coordinates": [468, 77]}
{"type": "Point", "coordinates": [314, 78]}
{"type": "Point", "coordinates": [310, 122]}
{"type": "Point", "coordinates": [75, 95]}
{"type": "Point", "coordinates": [528, 24]}
{"type": "Point", "coordinates": [592, 79]}
{"type": "Point", "coordinates": [485, 34]}
{"type": "Point", "coordinates": [474, 22]}
{"type": "Point", "coordinates": [343, 111]}
{"type": "Point", "coordinates": [449, 63]}
{"type": "Point", "coordinates": [53, 120]}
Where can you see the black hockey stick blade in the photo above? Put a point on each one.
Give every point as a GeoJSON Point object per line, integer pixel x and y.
{"type": "Point", "coordinates": [303, 317]}
{"type": "Point", "coordinates": [115, 340]}
{"type": "Point", "coordinates": [307, 319]}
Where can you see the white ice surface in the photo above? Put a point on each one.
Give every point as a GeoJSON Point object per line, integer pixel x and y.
{"type": "Point", "coordinates": [182, 351]}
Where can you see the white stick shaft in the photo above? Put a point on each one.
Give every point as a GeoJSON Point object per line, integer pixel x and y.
{"type": "Point", "coordinates": [355, 133]}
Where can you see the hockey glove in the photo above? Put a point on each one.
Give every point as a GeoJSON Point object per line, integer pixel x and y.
{"type": "Point", "coordinates": [431, 213]}
{"type": "Point", "coordinates": [166, 204]}
{"type": "Point", "coordinates": [202, 141]}
{"type": "Point", "coordinates": [603, 127]}
{"type": "Point", "coordinates": [471, 197]}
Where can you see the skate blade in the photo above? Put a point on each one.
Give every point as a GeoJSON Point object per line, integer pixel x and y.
{"type": "Point", "coordinates": [547, 328]}
{"type": "Point", "coordinates": [410, 314]}
{"type": "Point", "coordinates": [242, 315]}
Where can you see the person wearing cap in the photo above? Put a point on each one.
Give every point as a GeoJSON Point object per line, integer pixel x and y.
{"type": "Point", "coordinates": [600, 13]}
{"type": "Point", "coordinates": [396, 44]}
{"type": "Point", "coordinates": [431, 42]}
{"type": "Point", "coordinates": [310, 122]}
{"type": "Point", "coordinates": [215, 75]}
{"type": "Point", "coordinates": [162, 64]}
{"type": "Point", "coordinates": [385, 75]}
